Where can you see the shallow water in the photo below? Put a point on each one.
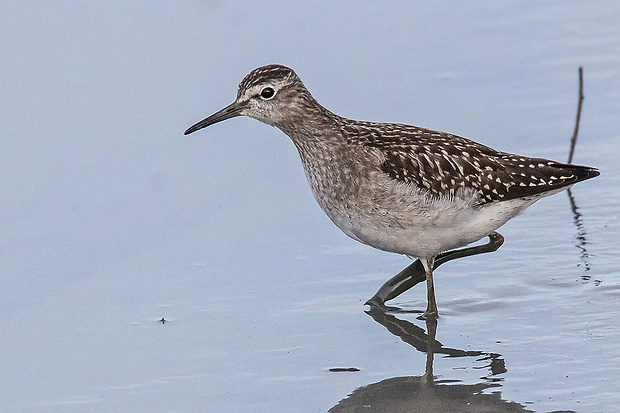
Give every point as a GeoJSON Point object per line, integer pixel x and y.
{"type": "Point", "coordinates": [113, 221]}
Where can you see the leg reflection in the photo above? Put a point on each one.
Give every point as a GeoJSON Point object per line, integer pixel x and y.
{"type": "Point", "coordinates": [431, 329]}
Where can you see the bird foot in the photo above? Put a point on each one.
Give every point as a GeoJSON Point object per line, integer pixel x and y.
{"type": "Point", "coordinates": [428, 315]}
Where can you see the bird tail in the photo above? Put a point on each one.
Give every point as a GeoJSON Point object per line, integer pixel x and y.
{"type": "Point", "coordinates": [581, 172]}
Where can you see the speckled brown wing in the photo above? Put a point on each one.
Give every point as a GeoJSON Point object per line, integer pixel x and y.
{"type": "Point", "coordinates": [442, 163]}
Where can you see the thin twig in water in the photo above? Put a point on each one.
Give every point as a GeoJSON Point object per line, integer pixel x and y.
{"type": "Point", "coordinates": [581, 232]}
{"type": "Point", "coordinates": [573, 140]}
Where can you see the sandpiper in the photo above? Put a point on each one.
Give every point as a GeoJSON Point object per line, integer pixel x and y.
{"type": "Point", "coordinates": [397, 187]}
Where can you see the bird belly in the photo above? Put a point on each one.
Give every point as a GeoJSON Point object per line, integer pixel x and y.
{"type": "Point", "coordinates": [411, 223]}
{"type": "Point", "coordinates": [428, 235]}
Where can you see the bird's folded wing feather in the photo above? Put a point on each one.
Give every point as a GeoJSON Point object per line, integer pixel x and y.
{"type": "Point", "coordinates": [442, 163]}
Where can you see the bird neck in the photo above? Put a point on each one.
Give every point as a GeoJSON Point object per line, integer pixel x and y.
{"type": "Point", "coordinates": [311, 123]}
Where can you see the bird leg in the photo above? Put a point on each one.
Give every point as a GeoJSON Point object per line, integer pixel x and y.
{"type": "Point", "coordinates": [415, 272]}
{"type": "Point", "coordinates": [431, 306]}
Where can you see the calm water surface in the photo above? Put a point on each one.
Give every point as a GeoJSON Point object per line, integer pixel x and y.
{"type": "Point", "coordinates": [112, 220]}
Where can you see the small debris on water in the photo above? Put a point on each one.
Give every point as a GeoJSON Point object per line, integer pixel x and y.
{"type": "Point", "coordinates": [343, 369]}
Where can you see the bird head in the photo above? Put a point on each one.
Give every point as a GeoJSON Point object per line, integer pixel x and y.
{"type": "Point", "coordinates": [271, 94]}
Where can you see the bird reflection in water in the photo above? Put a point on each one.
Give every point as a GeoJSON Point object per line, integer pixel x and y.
{"type": "Point", "coordinates": [424, 393]}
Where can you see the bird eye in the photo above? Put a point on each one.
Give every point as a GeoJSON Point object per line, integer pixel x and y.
{"type": "Point", "coordinates": [267, 93]}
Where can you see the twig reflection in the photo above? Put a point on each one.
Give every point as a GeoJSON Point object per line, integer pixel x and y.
{"type": "Point", "coordinates": [581, 235]}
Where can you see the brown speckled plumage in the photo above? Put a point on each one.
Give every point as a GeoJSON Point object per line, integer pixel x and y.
{"type": "Point", "coordinates": [442, 162]}
{"type": "Point", "coordinates": [397, 187]}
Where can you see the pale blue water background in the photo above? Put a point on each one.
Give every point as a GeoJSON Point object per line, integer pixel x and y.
{"type": "Point", "coordinates": [112, 219]}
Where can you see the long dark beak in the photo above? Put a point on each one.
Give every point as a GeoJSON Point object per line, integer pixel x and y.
{"type": "Point", "coordinates": [228, 112]}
